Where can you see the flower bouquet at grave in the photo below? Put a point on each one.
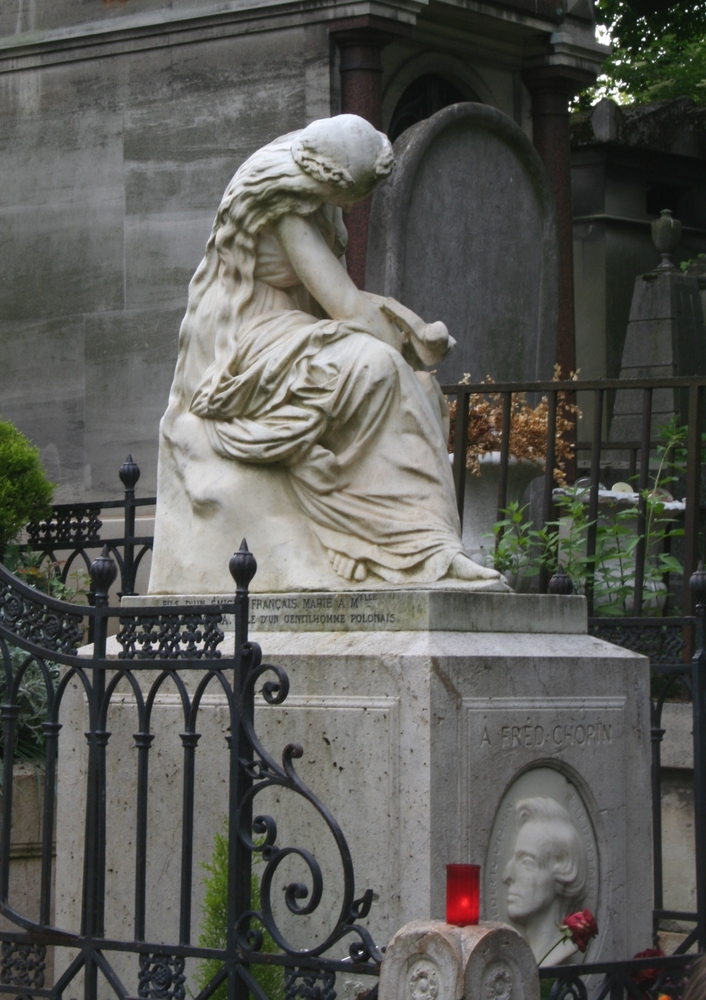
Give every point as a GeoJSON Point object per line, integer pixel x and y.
{"type": "Point", "coordinates": [528, 427]}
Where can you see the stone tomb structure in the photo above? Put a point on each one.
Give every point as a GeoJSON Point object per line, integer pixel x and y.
{"type": "Point", "coordinates": [465, 231]}
{"type": "Point", "coordinates": [437, 727]}
{"type": "Point", "coordinates": [665, 337]}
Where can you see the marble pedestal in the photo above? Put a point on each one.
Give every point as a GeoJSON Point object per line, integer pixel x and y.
{"type": "Point", "coordinates": [424, 717]}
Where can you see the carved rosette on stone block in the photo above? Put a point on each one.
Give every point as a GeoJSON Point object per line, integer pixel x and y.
{"type": "Point", "coordinates": [431, 960]}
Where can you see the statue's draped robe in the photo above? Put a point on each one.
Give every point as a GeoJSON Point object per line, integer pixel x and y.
{"type": "Point", "coordinates": [357, 429]}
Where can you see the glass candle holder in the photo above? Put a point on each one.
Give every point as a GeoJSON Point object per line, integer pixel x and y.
{"type": "Point", "coordinates": [462, 894]}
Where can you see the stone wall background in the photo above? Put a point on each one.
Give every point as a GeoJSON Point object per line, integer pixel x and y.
{"type": "Point", "coordinates": [112, 170]}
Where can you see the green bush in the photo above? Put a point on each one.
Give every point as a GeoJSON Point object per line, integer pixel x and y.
{"type": "Point", "coordinates": [522, 552]}
{"type": "Point", "coordinates": [25, 491]}
{"type": "Point", "coordinates": [32, 700]}
{"type": "Point", "coordinates": [215, 923]}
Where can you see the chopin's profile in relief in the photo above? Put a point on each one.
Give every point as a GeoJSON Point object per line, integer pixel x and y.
{"type": "Point", "coordinates": [545, 876]}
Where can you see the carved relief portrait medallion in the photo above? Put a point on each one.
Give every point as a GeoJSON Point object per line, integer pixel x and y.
{"type": "Point", "coordinates": [542, 861]}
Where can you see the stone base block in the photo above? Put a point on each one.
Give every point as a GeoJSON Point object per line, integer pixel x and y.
{"type": "Point", "coordinates": [427, 746]}
{"type": "Point", "coordinates": [430, 960]}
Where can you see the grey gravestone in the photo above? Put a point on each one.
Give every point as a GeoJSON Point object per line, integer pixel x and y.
{"type": "Point", "coordinates": [465, 231]}
{"type": "Point", "coordinates": [665, 338]}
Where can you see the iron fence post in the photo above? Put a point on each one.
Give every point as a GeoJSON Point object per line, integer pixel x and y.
{"type": "Point", "coordinates": [642, 548]}
{"type": "Point", "coordinates": [693, 491]}
{"type": "Point", "coordinates": [103, 573]}
{"type": "Point", "coordinates": [548, 494]}
{"type": "Point", "coordinates": [657, 734]}
{"type": "Point", "coordinates": [592, 534]}
{"type": "Point", "coordinates": [243, 568]}
{"type": "Point", "coordinates": [698, 664]}
{"type": "Point", "coordinates": [504, 461]}
{"type": "Point", "coordinates": [129, 474]}
{"type": "Point", "coordinates": [463, 400]}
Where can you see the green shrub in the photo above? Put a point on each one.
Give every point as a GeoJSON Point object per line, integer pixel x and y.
{"type": "Point", "coordinates": [215, 923]}
{"type": "Point", "coordinates": [521, 551]}
{"type": "Point", "coordinates": [25, 491]}
{"type": "Point", "coordinates": [32, 701]}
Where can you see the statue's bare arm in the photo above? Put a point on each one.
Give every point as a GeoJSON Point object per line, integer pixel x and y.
{"type": "Point", "coordinates": [321, 273]}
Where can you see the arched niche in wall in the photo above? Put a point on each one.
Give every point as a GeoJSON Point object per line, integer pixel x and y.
{"type": "Point", "coordinates": [423, 98]}
{"type": "Point", "coordinates": [424, 71]}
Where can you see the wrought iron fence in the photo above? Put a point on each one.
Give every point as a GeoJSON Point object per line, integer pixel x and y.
{"type": "Point", "coordinates": [655, 975]}
{"type": "Point", "coordinates": [639, 455]}
{"type": "Point", "coordinates": [668, 640]}
{"type": "Point", "coordinates": [183, 645]}
{"type": "Point", "coordinates": [74, 532]}
{"type": "Point", "coordinates": [180, 646]}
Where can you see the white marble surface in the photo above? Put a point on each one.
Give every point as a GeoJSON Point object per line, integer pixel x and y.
{"type": "Point", "coordinates": [431, 960]}
{"type": "Point", "coordinates": [551, 868]}
{"type": "Point", "coordinates": [444, 608]}
{"type": "Point", "coordinates": [301, 415]}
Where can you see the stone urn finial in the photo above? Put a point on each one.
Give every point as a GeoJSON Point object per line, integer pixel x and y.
{"type": "Point", "coordinates": [666, 234]}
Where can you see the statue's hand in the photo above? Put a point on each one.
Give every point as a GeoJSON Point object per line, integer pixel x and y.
{"type": "Point", "coordinates": [431, 341]}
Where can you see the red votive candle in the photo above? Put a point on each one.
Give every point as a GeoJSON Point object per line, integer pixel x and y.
{"type": "Point", "coordinates": [462, 894]}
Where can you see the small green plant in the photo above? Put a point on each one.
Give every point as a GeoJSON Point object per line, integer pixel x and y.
{"type": "Point", "coordinates": [686, 264]}
{"type": "Point", "coordinates": [521, 550]}
{"type": "Point", "coordinates": [44, 575]}
{"type": "Point", "coordinates": [40, 572]}
{"type": "Point", "coordinates": [25, 491]}
{"type": "Point", "coordinates": [214, 926]}
{"type": "Point", "coordinates": [32, 702]}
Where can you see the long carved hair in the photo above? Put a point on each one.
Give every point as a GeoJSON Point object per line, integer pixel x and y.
{"type": "Point", "coordinates": [294, 174]}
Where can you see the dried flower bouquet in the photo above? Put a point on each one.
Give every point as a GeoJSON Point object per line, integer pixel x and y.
{"type": "Point", "coordinates": [528, 427]}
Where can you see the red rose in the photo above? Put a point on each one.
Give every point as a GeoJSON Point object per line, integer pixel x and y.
{"type": "Point", "coordinates": [582, 927]}
{"type": "Point", "coordinates": [647, 977]}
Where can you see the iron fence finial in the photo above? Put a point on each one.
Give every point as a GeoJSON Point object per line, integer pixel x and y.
{"type": "Point", "coordinates": [129, 473]}
{"type": "Point", "coordinates": [561, 583]}
{"type": "Point", "coordinates": [697, 582]}
{"type": "Point", "coordinates": [103, 573]}
{"type": "Point", "coordinates": [243, 567]}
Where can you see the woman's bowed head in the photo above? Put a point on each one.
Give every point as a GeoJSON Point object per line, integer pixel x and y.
{"type": "Point", "coordinates": [301, 410]}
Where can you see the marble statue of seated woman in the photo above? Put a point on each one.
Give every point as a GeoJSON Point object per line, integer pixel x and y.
{"type": "Point", "coordinates": [301, 415]}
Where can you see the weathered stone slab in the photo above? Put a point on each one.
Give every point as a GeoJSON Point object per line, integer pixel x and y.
{"type": "Point", "coordinates": [433, 610]}
{"type": "Point", "coordinates": [434, 959]}
{"type": "Point", "coordinates": [465, 231]}
{"type": "Point", "coordinates": [665, 338]}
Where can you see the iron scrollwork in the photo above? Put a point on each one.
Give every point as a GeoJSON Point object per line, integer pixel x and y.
{"type": "Point", "coordinates": [161, 977]}
{"type": "Point", "coordinates": [569, 989]}
{"type": "Point", "coordinates": [309, 984]}
{"type": "Point", "coordinates": [171, 636]}
{"type": "Point", "coordinates": [41, 621]}
{"type": "Point", "coordinates": [659, 639]}
{"type": "Point", "coordinates": [70, 524]}
{"type": "Point", "coordinates": [301, 900]}
{"type": "Point", "coordinates": [22, 964]}
{"type": "Point", "coordinates": [179, 647]}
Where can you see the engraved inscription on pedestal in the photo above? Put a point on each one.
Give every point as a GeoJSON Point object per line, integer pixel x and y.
{"type": "Point", "coordinates": [542, 861]}
{"type": "Point", "coordinates": [434, 609]}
